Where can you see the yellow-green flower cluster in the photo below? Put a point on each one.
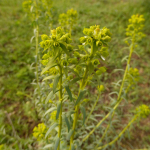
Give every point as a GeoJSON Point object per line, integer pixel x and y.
{"type": "Point", "coordinates": [94, 33]}
{"type": "Point", "coordinates": [143, 111]}
{"type": "Point", "coordinates": [63, 19]}
{"type": "Point", "coordinates": [133, 76]}
{"type": "Point", "coordinates": [39, 131]}
{"type": "Point", "coordinates": [27, 5]}
{"type": "Point", "coordinates": [72, 16]}
{"type": "Point", "coordinates": [57, 36]}
{"type": "Point", "coordinates": [134, 28]}
{"type": "Point", "coordinates": [47, 4]}
{"type": "Point", "coordinates": [68, 19]}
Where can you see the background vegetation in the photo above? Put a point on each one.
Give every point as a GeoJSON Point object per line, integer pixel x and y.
{"type": "Point", "coordinates": [17, 114]}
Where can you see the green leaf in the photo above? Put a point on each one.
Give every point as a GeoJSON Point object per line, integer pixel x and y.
{"type": "Point", "coordinates": [58, 110]}
{"type": "Point", "coordinates": [64, 48]}
{"type": "Point", "coordinates": [90, 68]}
{"type": "Point", "coordinates": [65, 71]}
{"type": "Point", "coordinates": [84, 113]}
{"type": "Point", "coordinates": [49, 96]}
{"type": "Point", "coordinates": [50, 129]}
{"type": "Point", "coordinates": [75, 80]}
{"type": "Point", "coordinates": [48, 146]}
{"type": "Point", "coordinates": [56, 80]}
{"type": "Point", "coordinates": [49, 77]}
{"type": "Point", "coordinates": [67, 122]}
{"type": "Point", "coordinates": [69, 134]}
{"type": "Point", "coordinates": [80, 96]}
{"type": "Point", "coordinates": [56, 143]}
{"type": "Point", "coordinates": [50, 64]}
{"type": "Point", "coordinates": [70, 69]}
{"type": "Point", "coordinates": [69, 92]}
{"type": "Point", "coordinates": [50, 110]}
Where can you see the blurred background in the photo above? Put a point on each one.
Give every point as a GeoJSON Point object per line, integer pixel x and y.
{"type": "Point", "coordinates": [17, 114]}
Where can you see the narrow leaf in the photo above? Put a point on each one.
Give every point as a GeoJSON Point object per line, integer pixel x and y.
{"type": "Point", "coordinates": [67, 122]}
{"type": "Point", "coordinates": [80, 96]}
{"type": "Point", "coordinates": [75, 80]}
{"type": "Point", "coordinates": [58, 110]}
{"type": "Point", "coordinates": [56, 80]}
{"type": "Point", "coordinates": [49, 96]}
{"type": "Point", "coordinates": [84, 113]}
{"type": "Point", "coordinates": [69, 134]}
{"type": "Point", "coordinates": [48, 146]}
{"type": "Point", "coordinates": [64, 48]}
{"type": "Point", "coordinates": [69, 92]}
{"type": "Point", "coordinates": [49, 77]}
{"type": "Point", "coordinates": [50, 129]}
{"type": "Point", "coordinates": [56, 143]}
{"type": "Point", "coordinates": [49, 110]}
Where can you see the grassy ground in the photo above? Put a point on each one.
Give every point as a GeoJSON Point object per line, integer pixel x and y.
{"type": "Point", "coordinates": [17, 55]}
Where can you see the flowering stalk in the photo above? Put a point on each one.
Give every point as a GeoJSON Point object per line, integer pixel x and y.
{"type": "Point", "coordinates": [136, 24]}
{"type": "Point", "coordinates": [60, 99]}
{"type": "Point", "coordinates": [96, 38]}
{"type": "Point", "coordinates": [77, 108]}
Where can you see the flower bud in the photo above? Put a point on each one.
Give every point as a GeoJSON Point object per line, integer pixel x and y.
{"type": "Point", "coordinates": [98, 43]}
{"type": "Point", "coordinates": [85, 58]}
{"type": "Point", "coordinates": [89, 40]}
{"type": "Point", "coordinates": [106, 39]}
{"type": "Point", "coordinates": [95, 62]}
{"type": "Point", "coordinates": [54, 37]}
{"type": "Point", "coordinates": [44, 37]}
{"type": "Point", "coordinates": [56, 44]}
{"type": "Point", "coordinates": [82, 39]}
{"type": "Point", "coordinates": [64, 63]}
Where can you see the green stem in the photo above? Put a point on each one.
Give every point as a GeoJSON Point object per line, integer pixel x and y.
{"type": "Point", "coordinates": [119, 95]}
{"type": "Point", "coordinates": [121, 133]}
{"type": "Point", "coordinates": [82, 85]}
{"type": "Point", "coordinates": [37, 50]}
{"type": "Point", "coordinates": [60, 99]}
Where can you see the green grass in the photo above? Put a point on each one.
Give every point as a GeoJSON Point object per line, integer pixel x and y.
{"type": "Point", "coordinates": [17, 55]}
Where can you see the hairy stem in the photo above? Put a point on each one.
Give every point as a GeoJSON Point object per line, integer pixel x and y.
{"type": "Point", "coordinates": [60, 99]}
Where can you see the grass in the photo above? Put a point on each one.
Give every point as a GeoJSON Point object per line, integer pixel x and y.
{"type": "Point", "coordinates": [17, 55]}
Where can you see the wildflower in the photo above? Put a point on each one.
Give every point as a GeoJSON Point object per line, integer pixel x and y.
{"type": "Point", "coordinates": [143, 111]}
{"type": "Point", "coordinates": [39, 131]}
